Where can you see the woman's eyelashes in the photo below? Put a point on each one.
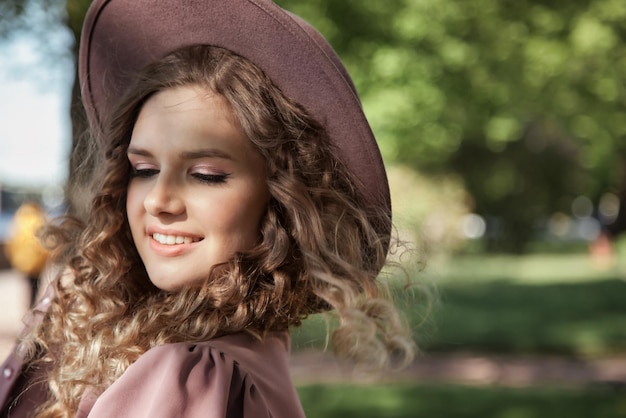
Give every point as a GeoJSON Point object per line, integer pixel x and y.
{"type": "Point", "coordinates": [211, 178]}
{"type": "Point", "coordinates": [144, 173]}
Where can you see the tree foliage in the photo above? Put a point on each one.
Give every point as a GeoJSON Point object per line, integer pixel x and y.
{"type": "Point", "coordinates": [523, 99]}
{"type": "Point", "coordinates": [34, 17]}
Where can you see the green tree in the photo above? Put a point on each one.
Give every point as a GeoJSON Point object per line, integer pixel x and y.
{"type": "Point", "coordinates": [36, 18]}
{"type": "Point", "coordinates": [81, 160]}
{"type": "Point", "coordinates": [20, 15]}
{"type": "Point", "coordinates": [523, 99]}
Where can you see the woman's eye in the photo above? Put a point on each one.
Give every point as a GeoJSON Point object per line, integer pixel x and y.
{"type": "Point", "coordinates": [211, 178]}
{"type": "Point", "coordinates": [144, 172]}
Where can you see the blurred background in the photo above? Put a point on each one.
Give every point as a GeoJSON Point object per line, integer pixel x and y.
{"type": "Point", "coordinates": [503, 129]}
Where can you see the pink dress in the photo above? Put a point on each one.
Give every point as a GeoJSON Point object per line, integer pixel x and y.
{"type": "Point", "coordinates": [234, 376]}
{"type": "Point", "coordinates": [231, 376]}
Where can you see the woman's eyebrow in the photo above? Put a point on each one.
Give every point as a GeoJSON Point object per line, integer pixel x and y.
{"type": "Point", "coordinates": [138, 151]}
{"type": "Point", "coordinates": [205, 153]}
{"type": "Point", "coordinates": [187, 155]}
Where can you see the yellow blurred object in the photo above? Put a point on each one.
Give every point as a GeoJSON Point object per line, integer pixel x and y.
{"type": "Point", "coordinates": [23, 248]}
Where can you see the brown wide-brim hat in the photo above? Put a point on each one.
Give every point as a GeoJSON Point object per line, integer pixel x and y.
{"type": "Point", "coordinates": [120, 37]}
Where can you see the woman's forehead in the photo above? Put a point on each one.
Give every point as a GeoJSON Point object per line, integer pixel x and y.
{"type": "Point", "coordinates": [192, 122]}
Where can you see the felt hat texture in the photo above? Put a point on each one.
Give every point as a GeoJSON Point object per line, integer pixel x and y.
{"type": "Point", "coordinates": [120, 37]}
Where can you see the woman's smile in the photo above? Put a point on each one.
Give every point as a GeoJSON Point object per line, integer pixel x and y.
{"type": "Point", "coordinates": [172, 239]}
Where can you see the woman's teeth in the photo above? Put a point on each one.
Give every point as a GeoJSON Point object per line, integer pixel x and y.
{"type": "Point", "coordinates": [171, 239]}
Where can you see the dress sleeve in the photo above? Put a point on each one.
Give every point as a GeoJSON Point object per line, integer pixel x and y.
{"type": "Point", "coordinates": [179, 380]}
{"type": "Point", "coordinates": [22, 391]}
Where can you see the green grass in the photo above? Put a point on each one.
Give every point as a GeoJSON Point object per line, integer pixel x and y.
{"type": "Point", "coordinates": [528, 269]}
{"type": "Point", "coordinates": [501, 316]}
{"type": "Point", "coordinates": [540, 304]}
{"type": "Point", "coordinates": [556, 304]}
{"type": "Point", "coordinates": [413, 400]}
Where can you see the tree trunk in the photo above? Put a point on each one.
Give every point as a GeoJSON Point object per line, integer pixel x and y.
{"type": "Point", "coordinates": [82, 159]}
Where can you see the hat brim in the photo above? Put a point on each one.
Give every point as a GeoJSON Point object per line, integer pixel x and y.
{"type": "Point", "coordinates": [121, 37]}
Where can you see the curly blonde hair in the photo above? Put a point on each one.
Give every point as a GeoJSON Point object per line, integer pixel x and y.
{"type": "Point", "coordinates": [319, 249]}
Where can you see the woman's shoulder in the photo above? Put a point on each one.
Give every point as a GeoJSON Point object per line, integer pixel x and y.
{"type": "Point", "coordinates": [260, 360]}
{"type": "Point", "coordinates": [231, 376]}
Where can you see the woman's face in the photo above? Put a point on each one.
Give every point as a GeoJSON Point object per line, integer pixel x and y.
{"type": "Point", "coordinates": [197, 192]}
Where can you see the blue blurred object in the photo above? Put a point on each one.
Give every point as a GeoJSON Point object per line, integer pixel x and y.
{"type": "Point", "coordinates": [5, 221]}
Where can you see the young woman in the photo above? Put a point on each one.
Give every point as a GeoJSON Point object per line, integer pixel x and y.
{"type": "Point", "coordinates": [241, 190]}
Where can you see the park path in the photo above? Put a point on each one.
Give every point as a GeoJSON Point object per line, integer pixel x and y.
{"type": "Point", "coordinates": [311, 367]}
{"type": "Point", "coordinates": [471, 369]}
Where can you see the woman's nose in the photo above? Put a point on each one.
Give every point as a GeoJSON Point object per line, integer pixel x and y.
{"type": "Point", "coordinates": [164, 198]}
